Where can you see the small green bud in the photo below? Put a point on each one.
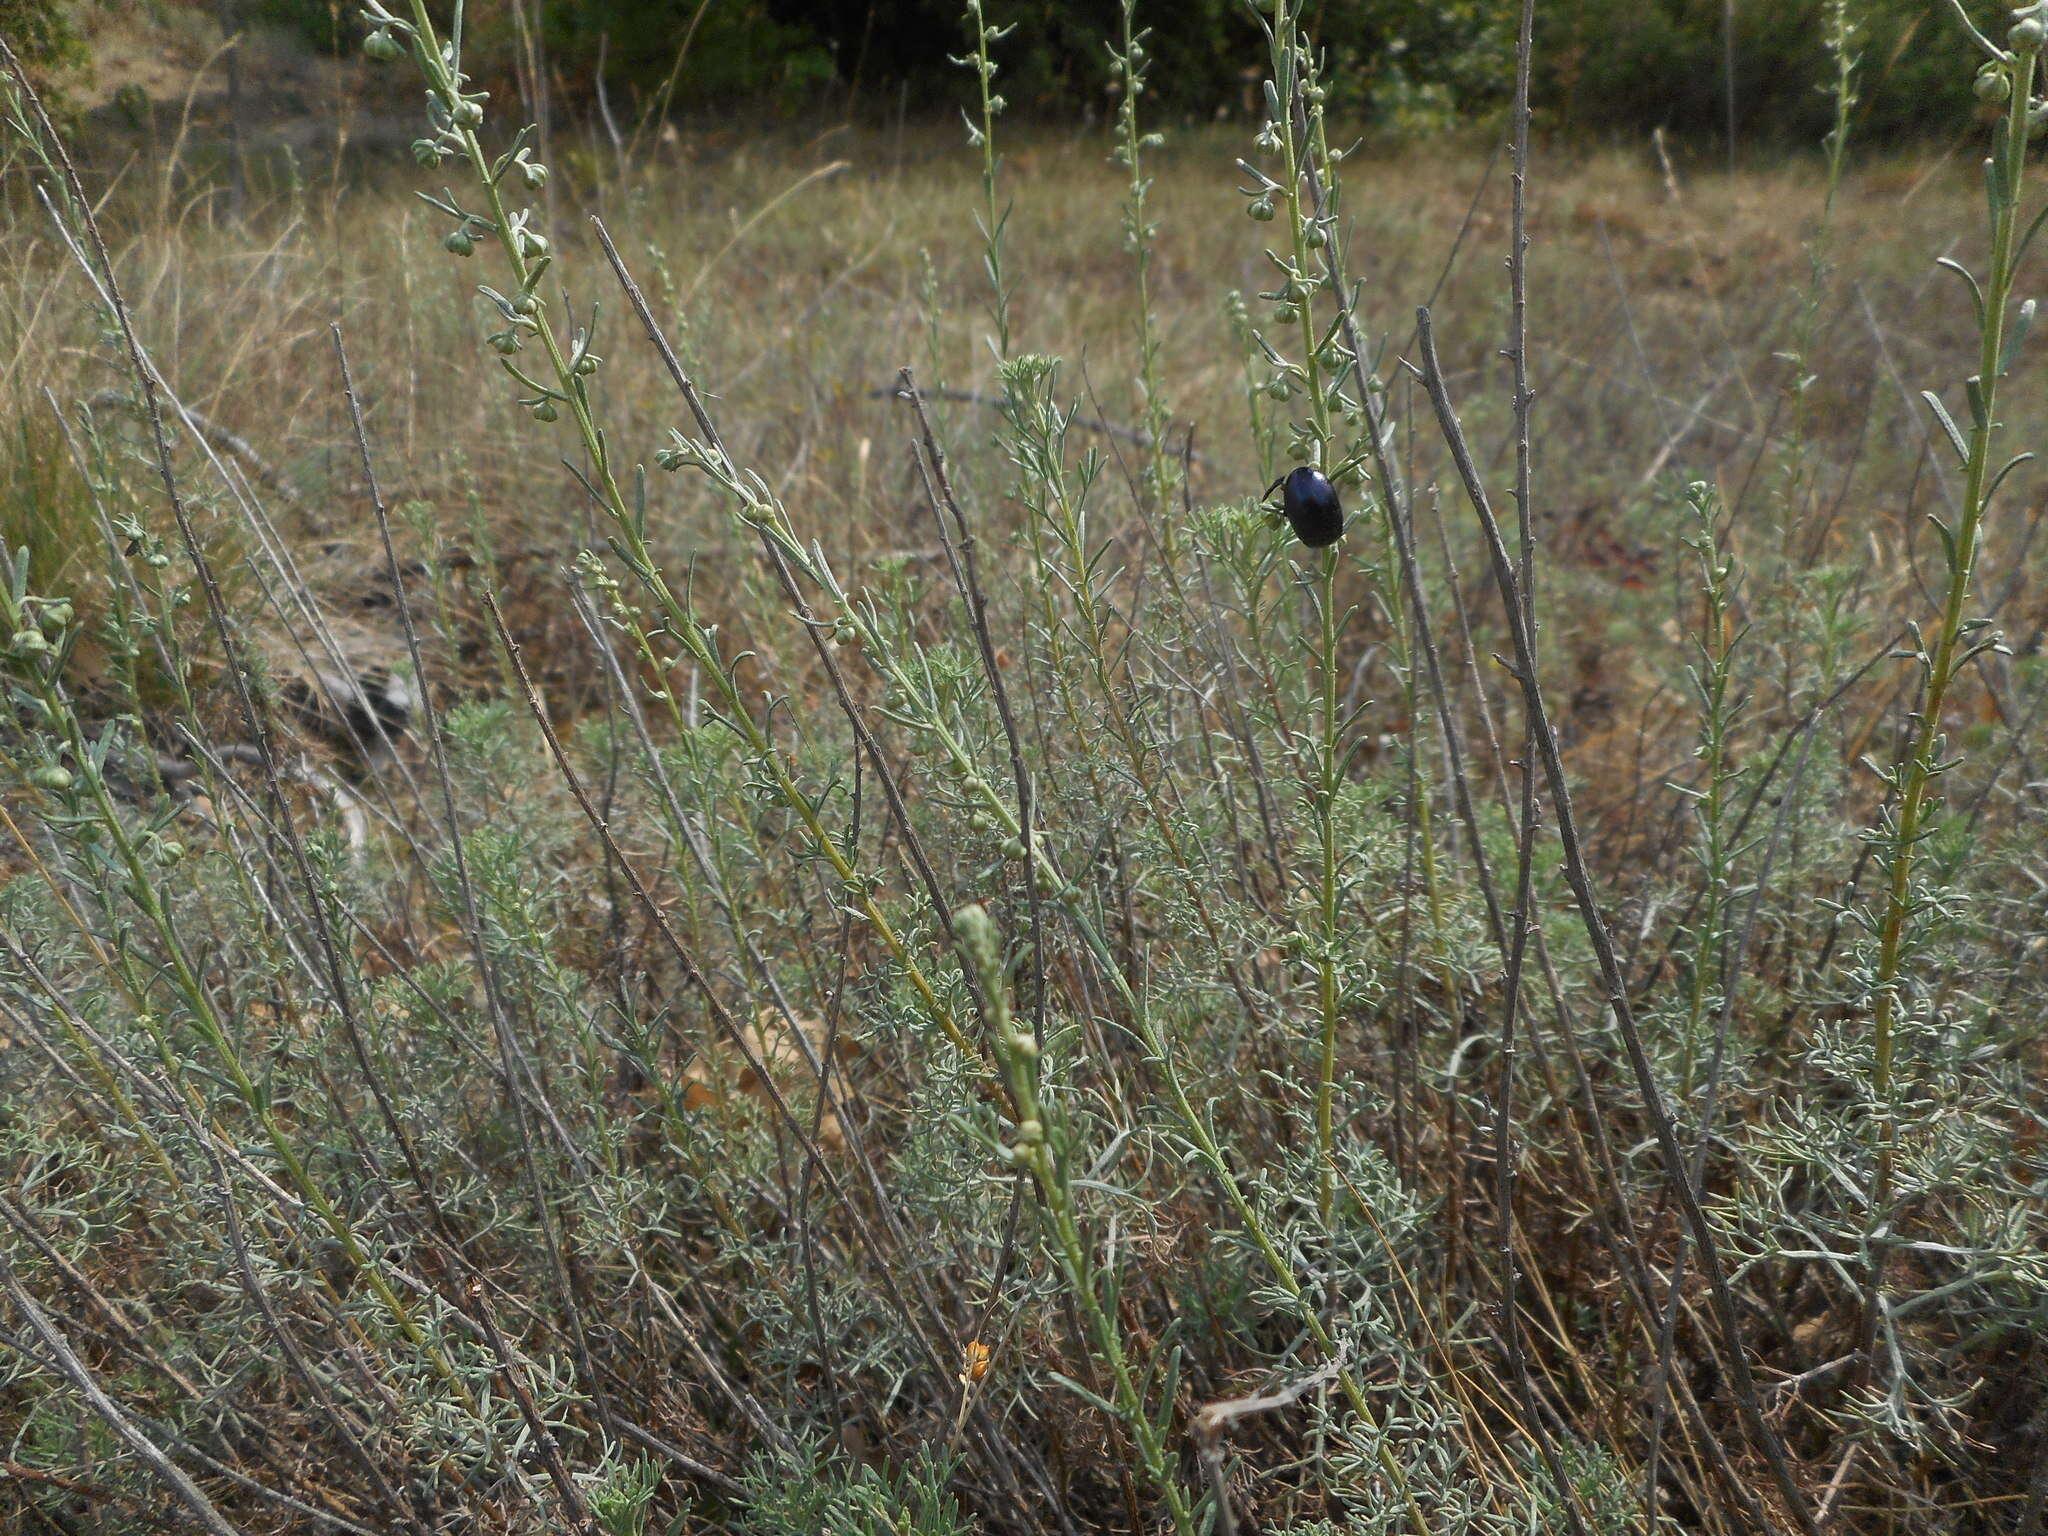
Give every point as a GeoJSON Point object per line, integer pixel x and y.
{"type": "Point", "coordinates": [381, 47]}
{"type": "Point", "coordinates": [1278, 388]}
{"type": "Point", "coordinates": [1314, 238]}
{"type": "Point", "coordinates": [466, 113]}
{"type": "Point", "coordinates": [1261, 209]}
{"type": "Point", "coordinates": [586, 365]}
{"type": "Point", "coordinates": [1030, 1133]}
{"type": "Point", "coordinates": [532, 244]}
{"type": "Point", "coordinates": [56, 615]}
{"type": "Point", "coordinates": [506, 342]}
{"type": "Point", "coordinates": [526, 304]}
{"type": "Point", "coordinates": [1286, 314]}
{"type": "Point", "coordinates": [546, 411]}
{"type": "Point", "coordinates": [1013, 848]}
{"type": "Point", "coordinates": [2026, 35]}
{"type": "Point", "coordinates": [1993, 84]}
{"type": "Point", "coordinates": [459, 243]}
{"type": "Point", "coordinates": [30, 642]}
{"type": "Point", "coordinates": [427, 153]}
{"type": "Point", "coordinates": [1316, 95]}
{"type": "Point", "coordinates": [169, 852]}
{"type": "Point", "coordinates": [535, 176]}
{"type": "Point", "coordinates": [54, 779]}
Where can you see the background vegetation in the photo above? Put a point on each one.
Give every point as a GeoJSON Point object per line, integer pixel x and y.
{"type": "Point", "coordinates": [1408, 65]}
{"type": "Point", "coordinates": [1411, 66]}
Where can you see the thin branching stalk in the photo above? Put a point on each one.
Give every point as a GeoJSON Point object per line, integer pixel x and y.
{"type": "Point", "coordinates": [1959, 638]}
{"type": "Point", "coordinates": [1042, 1148]}
{"type": "Point", "coordinates": [1310, 217]}
{"type": "Point", "coordinates": [1132, 61]}
{"type": "Point", "coordinates": [993, 217]}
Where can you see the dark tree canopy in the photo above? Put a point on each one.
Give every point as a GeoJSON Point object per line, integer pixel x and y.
{"type": "Point", "coordinates": [1408, 65]}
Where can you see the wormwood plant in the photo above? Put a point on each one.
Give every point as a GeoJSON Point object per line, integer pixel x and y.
{"type": "Point", "coordinates": [915, 703]}
{"type": "Point", "coordinates": [1720, 707]}
{"type": "Point", "coordinates": [1910, 908]}
{"type": "Point", "coordinates": [986, 1037]}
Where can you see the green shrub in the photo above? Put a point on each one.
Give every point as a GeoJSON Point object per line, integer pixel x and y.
{"type": "Point", "coordinates": [1631, 65]}
{"type": "Point", "coordinates": [44, 35]}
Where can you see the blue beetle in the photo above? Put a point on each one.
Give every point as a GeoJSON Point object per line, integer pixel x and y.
{"type": "Point", "coordinates": [1311, 505]}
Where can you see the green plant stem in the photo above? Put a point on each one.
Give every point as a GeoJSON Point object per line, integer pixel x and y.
{"type": "Point", "coordinates": [1041, 1149]}
{"type": "Point", "coordinates": [1290, 55]}
{"type": "Point", "coordinates": [1139, 231]}
{"type": "Point", "coordinates": [1329, 773]}
{"type": "Point", "coordinates": [1713, 682]}
{"type": "Point", "coordinates": [992, 218]}
{"type": "Point", "coordinates": [2006, 175]}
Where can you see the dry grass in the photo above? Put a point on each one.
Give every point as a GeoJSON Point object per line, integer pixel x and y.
{"type": "Point", "coordinates": [791, 269]}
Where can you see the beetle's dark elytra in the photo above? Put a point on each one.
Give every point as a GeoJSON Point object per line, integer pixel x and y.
{"type": "Point", "coordinates": [1312, 507]}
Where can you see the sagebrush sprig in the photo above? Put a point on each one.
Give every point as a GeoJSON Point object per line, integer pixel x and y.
{"type": "Point", "coordinates": [2008, 76]}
